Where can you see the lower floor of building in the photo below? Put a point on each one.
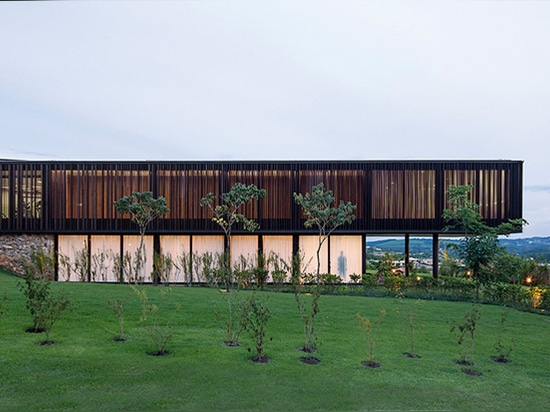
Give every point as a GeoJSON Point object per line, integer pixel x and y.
{"type": "Point", "coordinates": [188, 258]}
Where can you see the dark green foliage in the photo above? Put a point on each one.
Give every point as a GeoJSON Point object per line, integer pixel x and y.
{"type": "Point", "coordinates": [39, 270]}
{"type": "Point", "coordinates": [480, 245]}
{"type": "Point", "coordinates": [143, 208]}
{"type": "Point", "coordinates": [229, 211]}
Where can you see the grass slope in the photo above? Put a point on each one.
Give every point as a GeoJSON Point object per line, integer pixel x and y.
{"type": "Point", "coordinates": [87, 370]}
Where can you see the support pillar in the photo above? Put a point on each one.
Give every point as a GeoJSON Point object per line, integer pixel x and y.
{"type": "Point", "coordinates": [407, 253]}
{"type": "Point", "coordinates": [435, 255]}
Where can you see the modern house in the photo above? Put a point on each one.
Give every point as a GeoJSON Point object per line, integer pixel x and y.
{"type": "Point", "coordinates": [71, 203]}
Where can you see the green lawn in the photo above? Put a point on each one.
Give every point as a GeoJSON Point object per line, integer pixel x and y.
{"type": "Point", "coordinates": [86, 370]}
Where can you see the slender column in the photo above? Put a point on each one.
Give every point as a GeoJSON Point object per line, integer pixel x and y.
{"type": "Point", "coordinates": [364, 254]}
{"type": "Point", "coordinates": [435, 255]}
{"type": "Point", "coordinates": [407, 253]}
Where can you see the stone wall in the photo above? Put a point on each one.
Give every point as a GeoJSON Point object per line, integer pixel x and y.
{"type": "Point", "coordinates": [15, 247]}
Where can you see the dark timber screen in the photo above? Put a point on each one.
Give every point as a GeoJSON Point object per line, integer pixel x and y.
{"type": "Point", "coordinates": [391, 196]}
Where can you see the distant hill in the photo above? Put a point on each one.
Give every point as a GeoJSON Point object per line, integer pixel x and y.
{"type": "Point", "coordinates": [533, 247]}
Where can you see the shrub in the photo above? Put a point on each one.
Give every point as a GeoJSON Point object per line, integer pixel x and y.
{"type": "Point", "coordinates": [255, 317]}
{"type": "Point", "coordinates": [160, 334]}
{"type": "Point", "coordinates": [39, 270]}
{"type": "Point", "coordinates": [393, 283]}
{"type": "Point", "coordinates": [369, 280]}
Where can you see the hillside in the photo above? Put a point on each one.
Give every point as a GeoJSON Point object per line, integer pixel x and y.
{"type": "Point", "coordinates": [533, 247]}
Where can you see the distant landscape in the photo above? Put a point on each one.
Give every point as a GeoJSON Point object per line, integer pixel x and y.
{"type": "Point", "coordinates": [534, 247]}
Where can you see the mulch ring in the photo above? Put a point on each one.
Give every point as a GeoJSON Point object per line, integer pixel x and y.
{"type": "Point", "coordinates": [310, 360]}
{"type": "Point", "coordinates": [500, 360]}
{"type": "Point", "coordinates": [371, 364]}
{"type": "Point", "coordinates": [260, 359]}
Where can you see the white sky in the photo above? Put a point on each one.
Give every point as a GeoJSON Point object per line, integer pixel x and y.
{"type": "Point", "coordinates": [280, 80]}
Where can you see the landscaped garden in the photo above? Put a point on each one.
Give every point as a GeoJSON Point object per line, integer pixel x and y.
{"type": "Point", "coordinates": [88, 368]}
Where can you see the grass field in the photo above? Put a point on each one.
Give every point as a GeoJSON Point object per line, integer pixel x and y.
{"type": "Point", "coordinates": [86, 370]}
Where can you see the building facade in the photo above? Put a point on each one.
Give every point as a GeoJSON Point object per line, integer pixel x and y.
{"type": "Point", "coordinates": [73, 202]}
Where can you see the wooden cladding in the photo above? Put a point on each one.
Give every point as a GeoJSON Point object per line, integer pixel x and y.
{"type": "Point", "coordinates": [395, 196]}
{"type": "Point", "coordinates": [90, 194]}
{"type": "Point", "coordinates": [183, 190]}
{"type": "Point", "coordinates": [403, 194]}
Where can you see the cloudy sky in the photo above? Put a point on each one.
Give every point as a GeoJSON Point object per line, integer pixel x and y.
{"type": "Point", "coordinates": [280, 80]}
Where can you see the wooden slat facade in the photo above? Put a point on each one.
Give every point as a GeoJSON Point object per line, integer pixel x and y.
{"type": "Point", "coordinates": [399, 197]}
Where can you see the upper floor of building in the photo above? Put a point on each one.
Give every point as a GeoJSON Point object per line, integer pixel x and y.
{"type": "Point", "coordinates": [390, 196]}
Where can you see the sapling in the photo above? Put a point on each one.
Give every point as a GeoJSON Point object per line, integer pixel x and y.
{"type": "Point", "coordinates": [54, 307]}
{"type": "Point", "coordinates": [410, 327]}
{"type": "Point", "coordinates": [117, 305]}
{"type": "Point", "coordinates": [231, 318]}
{"type": "Point", "coordinates": [503, 347]}
{"type": "Point", "coordinates": [368, 328]}
{"type": "Point", "coordinates": [160, 334]}
{"type": "Point", "coordinates": [255, 315]}
{"type": "Point", "coordinates": [36, 285]}
{"type": "Point", "coordinates": [228, 211]}
{"type": "Point", "coordinates": [320, 213]}
{"type": "Point", "coordinates": [143, 209]}
{"type": "Point", "coordinates": [467, 330]}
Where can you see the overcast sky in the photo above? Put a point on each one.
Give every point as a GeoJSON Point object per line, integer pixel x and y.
{"type": "Point", "coordinates": [280, 80]}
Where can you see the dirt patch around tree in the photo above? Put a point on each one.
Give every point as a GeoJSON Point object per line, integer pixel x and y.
{"type": "Point", "coordinates": [159, 353]}
{"type": "Point", "coordinates": [261, 359]}
{"type": "Point", "coordinates": [500, 360]}
{"type": "Point", "coordinates": [371, 364]}
{"type": "Point", "coordinates": [310, 360]}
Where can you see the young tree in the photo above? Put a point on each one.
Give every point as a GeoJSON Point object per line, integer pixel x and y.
{"type": "Point", "coordinates": [480, 244]}
{"type": "Point", "coordinates": [39, 269]}
{"type": "Point", "coordinates": [226, 214]}
{"type": "Point", "coordinates": [44, 307]}
{"type": "Point", "coordinates": [464, 331]}
{"type": "Point", "coordinates": [320, 213]}
{"type": "Point", "coordinates": [368, 328]}
{"type": "Point", "coordinates": [256, 314]}
{"type": "Point", "coordinates": [229, 212]}
{"type": "Point", "coordinates": [143, 208]}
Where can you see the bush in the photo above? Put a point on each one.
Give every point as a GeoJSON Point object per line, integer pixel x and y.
{"type": "Point", "coordinates": [369, 280]}
{"type": "Point", "coordinates": [505, 293]}
{"type": "Point", "coordinates": [393, 283]}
